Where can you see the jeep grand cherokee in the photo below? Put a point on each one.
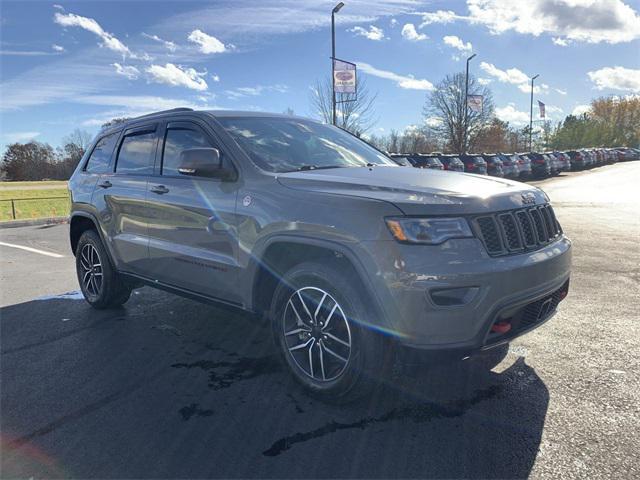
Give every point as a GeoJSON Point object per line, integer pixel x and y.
{"type": "Point", "coordinates": [347, 254]}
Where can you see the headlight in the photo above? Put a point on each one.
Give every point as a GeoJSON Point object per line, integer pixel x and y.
{"type": "Point", "coordinates": [432, 231]}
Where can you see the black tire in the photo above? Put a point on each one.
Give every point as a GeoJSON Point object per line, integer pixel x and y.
{"type": "Point", "coordinates": [103, 287]}
{"type": "Point", "coordinates": [368, 355]}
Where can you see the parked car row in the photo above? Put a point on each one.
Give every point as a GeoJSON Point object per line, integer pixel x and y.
{"type": "Point", "coordinates": [518, 165]}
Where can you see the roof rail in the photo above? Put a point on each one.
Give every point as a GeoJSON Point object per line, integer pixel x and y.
{"type": "Point", "coordinates": [171, 110]}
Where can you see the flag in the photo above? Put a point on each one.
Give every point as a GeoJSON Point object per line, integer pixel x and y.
{"type": "Point", "coordinates": [475, 103]}
{"type": "Point", "coordinates": [541, 107]}
{"type": "Point", "coordinates": [344, 76]}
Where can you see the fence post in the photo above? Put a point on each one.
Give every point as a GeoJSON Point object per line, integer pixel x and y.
{"type": "Point", "coordinates": [13, 209]}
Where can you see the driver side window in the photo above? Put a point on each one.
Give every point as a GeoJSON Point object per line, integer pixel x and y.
{"type": "Point", "coordinates": [177, 140]}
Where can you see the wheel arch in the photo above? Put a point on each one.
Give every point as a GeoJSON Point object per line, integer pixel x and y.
{"type": "Point", "coordinates": [281, 253]}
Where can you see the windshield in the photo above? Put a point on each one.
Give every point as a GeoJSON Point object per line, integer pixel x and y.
{"type": "Point", "coordinates": [287, 144]}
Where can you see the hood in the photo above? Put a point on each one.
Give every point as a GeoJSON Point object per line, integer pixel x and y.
{"type": "Point", "coordinates": [418, 191]}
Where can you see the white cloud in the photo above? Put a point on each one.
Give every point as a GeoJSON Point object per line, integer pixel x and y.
{"type": "Point", "coordinates": [177, 76]}
{"type": "Point", "coordinates": [215, 78]}
{"type": "Point", "coordinates": [59, 7]}
{"type": "Point", "coordinates": [409, 33]}
{"type": "Point", "coordinates": [440, 16]}
{"type": "Point", "coordinates": [457, 43]}
{"type": "Point", "coordinates": [138, 102]}
{"type": "Point", "coordinates": [560, 91]}
{"type": "Point", "coordinates": [255, 91]}
{"type": "Point", "coordinates": [511, 115]}
{"type": "Point", "coordinates": [168, 45]}
{"type": "Point", "coordinates": [526, 88]}
{"type": "Point", "coordinates": [250, 21]}
{"type": "Point", "coordinates": [580, 109]}
{"type": "Point", "coordinates": [128, 71]}
{"type": "Point", "coordinates": [616, 78]}
{"type": "Point", "coordinates": [433, 121]}
{"type": "Point", "coordinates": [89, 24]}
{"type": "Point", "coordinates": [374, 33]}
{"type": "Point", "coordinates": [393, 22]}
{"type": "Point", "coordinates": [590, 21]}
{"type": "Point", "coordinates": [511, 75]}
{"type": "Point", "coordinates": [407, 82]}
{"type": "Point", "coordinates": [207, 43]}
{"type": "Point", "coordinates": [19, 137]}
{"type": "Point", "coordinates": [484, 81]}
{"type": "Point", "coordinates": [561, 42]}
{"type": "Point", "coordinates": [57, 48]}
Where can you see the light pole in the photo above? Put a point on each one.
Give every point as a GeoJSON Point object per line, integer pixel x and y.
{"type": "Point", "coordinates": [466, 105]}
{"type": "Point", "coordinates": [531, 112]}
{"type": "Point", "coordinates": [335, 10]}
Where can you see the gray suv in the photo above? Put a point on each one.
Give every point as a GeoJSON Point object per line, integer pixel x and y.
{"type": "Point", "coordinates": [349, 256]}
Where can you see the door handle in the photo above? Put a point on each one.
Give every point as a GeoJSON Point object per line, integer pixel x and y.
{"type": "Point", "coordinates": [105, 184]}
{"type": "Point", "coordinates": [159, 189]}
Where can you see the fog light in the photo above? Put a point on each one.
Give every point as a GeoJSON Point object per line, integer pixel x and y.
{"type": "Point", "coordinates": [452, 297]}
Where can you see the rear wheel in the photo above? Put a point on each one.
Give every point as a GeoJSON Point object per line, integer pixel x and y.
{"type": "Point", "coordinates": [320, 326]}
{"type": "Point", "coordinates": [101, 285]}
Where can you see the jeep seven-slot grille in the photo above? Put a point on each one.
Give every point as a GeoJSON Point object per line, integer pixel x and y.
{"type": "Point", "coordinates": [519, 230]}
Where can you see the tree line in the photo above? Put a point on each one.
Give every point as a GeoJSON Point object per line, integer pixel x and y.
{"type": "Point", "coordinates": [609, 122]}
{"type": "Point", "coordinates": [40, 161]}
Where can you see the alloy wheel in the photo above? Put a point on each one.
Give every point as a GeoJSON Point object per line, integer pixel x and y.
{"type": "Point", "coordinates": [317, 334]}
{"type": "Point", "coordinates": [91, 270]}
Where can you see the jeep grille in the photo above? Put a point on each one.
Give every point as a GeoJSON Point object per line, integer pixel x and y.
{"type": "Point", "coordinates": [518, 230]}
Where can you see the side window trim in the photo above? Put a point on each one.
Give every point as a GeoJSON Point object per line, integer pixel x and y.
{"type": "Point", "coordinates": [85, 162]}
{"type": "Point", "coordinates": [131, 132]}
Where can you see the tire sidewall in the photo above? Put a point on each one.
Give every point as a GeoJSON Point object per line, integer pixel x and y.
{"type": "Point", "coordinates": [104, 299]}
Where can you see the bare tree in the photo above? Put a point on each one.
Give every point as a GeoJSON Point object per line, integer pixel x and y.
{"type": "Point", "coordinates": [79, 138]}
{"type": "Point", "coordinates": [355, 113]}
{"type": "Point", "coordinates": [447, 103]}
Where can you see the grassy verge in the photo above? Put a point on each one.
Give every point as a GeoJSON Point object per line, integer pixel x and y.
{"type": "Point", "coordinates": [52, 183]}
{"type": "Point", "coordinates": [34, 203]}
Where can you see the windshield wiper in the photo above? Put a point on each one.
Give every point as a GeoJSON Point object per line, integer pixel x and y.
{"type": "Point", "coordinates": [305, 168]}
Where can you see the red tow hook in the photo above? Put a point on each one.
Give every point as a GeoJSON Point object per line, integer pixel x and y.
{"type": "Point", "coordinates": [501, 327]}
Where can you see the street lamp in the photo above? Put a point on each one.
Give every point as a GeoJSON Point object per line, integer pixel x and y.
{"type": "Point", "coordinates": [335, 10]}
{"type": "Point", "coordinates": [531, 112]}
{"type": "Point", "coordinates": [466, 105]}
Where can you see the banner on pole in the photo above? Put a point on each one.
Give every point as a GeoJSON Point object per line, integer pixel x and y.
{"type": "Point", "coordinates": [344, 76]}
{"type": "Point", "coordinates": [475, 103]}
{"type": "Point", "coordinates": [542, 109]}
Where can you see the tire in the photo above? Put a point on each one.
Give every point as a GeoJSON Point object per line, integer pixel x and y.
{"type": "Point", "coordinates": [101, 285]}
{"type": "Point", "coordinates": [325, 366]}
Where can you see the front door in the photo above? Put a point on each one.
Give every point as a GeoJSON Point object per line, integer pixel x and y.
{"type": "Point", "coordinates": [192, 224]}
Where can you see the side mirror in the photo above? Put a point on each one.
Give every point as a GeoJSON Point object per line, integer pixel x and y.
{"type": "Point", "coordinates": [203, 162]}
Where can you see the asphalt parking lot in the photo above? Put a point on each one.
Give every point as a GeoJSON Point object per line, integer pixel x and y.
{"type": "Point", "coordinates": [167, 387]}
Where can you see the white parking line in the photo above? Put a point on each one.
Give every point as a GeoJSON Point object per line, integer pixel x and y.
{"type": "Point", "coordinates": [33, 250]}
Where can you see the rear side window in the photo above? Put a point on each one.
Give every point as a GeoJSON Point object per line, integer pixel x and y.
{"type": "Point", "coordinates": [177, 140]}
{"type": "Point", "coordinates": [101, 155]}
{"type": "Point", "coordinates": [137, 153]}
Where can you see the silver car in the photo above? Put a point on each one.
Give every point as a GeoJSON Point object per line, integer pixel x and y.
{"type": "Point", "coordinates": [350, 257]}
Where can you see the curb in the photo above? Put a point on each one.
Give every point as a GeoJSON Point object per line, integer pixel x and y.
{"type": "Point", "coordinates": [33, 222]}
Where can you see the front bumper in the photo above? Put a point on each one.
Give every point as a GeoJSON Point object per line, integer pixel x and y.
{"type": "Point", "coordinates": [499, 288]}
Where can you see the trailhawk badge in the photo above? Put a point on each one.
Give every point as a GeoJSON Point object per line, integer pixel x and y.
{"type": "Point", "coordinates": [528, 198]}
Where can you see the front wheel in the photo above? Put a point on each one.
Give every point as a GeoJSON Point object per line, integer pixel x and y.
{"type": "Point", "coordinates": [320, 326]}
{"type": "Point", "coordinates": [101, 285]}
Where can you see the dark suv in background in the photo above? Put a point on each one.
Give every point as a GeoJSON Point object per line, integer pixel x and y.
{"type": "Point", "coordinates": [474, 164]}
{"type": "Point", "coordinates": [349, 256]}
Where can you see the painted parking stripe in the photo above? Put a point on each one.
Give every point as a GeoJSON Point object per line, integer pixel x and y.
{"type": "Point", "coordinates": [33, 250]}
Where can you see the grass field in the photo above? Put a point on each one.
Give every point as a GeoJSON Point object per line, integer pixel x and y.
{"type": "Point", "coordinates": [32, 200]}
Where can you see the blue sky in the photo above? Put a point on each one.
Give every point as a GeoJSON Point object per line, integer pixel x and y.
{"type": "Point", "coordinates": [70, 65]}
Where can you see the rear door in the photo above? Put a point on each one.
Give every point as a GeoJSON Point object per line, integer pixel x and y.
{"type": "Point", "coordinates": [192, 229]}
{"type": "Point", "coordinates": [120, 197]}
